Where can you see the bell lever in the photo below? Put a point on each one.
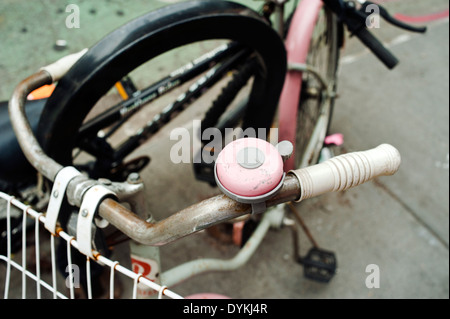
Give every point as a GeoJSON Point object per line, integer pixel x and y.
{"type": "Point", "coordinates": [385, 15]}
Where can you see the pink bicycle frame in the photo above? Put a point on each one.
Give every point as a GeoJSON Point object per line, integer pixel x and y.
{"type": "Point", "coordinates": [297, 46]}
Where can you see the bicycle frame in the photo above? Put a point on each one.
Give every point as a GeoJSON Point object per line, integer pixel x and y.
{"type": "Point", "coordinates": [297, 46]}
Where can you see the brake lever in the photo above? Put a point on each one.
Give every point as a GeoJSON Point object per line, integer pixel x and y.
{"type": "Point", "coordinates": [385, 15]}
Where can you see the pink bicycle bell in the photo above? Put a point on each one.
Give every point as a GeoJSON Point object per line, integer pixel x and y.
{"type": "Point", "coordinates": [250, 170]}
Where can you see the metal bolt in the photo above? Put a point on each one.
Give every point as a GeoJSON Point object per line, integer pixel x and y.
{"type": "Point", "coordinates": [104, 181]}
{"type": "Point", "coordinates": [55, 194]}
{"type": "Point", "coordinates": [134, 177]}
{"type": "Point", "coordinates": [84, 212]}
{"type": "Point", "coordinates": [60, 45]}
{"type": "Point", "coordinates": [285, 148]}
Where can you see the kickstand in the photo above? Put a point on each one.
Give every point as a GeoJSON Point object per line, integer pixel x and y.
{"type": "Point", "coordinates": [318, 264]}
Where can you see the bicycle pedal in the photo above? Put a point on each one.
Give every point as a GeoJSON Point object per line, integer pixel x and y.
{"type": "Point", "coordinates": [319, 265]}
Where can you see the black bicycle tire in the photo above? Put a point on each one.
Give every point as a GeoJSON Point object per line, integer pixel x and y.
{"type": "Point", "coordinates": [334, 57]}
{"type": "Point", "coordinates": [146, 37]}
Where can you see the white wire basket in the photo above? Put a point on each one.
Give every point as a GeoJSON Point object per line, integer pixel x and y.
{"type": "Point", "coordinates": [35, 264]}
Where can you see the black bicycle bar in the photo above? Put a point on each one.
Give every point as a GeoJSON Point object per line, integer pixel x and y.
{"type": "Point", "coordinates": [156, 90]}
{"type": "Point", "coordinates": [211, 78]}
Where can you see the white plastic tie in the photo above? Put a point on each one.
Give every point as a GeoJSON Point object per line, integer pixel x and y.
{"type": "Point", "coordinates": [91, 201]}
{"type": "Point", "coordinates": [59, 68]}
{"type": "Point", "coordinates": [62, 180]}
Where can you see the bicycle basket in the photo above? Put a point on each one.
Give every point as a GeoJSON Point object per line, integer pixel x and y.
{"type": "Point", "coordinates": [37, 262]}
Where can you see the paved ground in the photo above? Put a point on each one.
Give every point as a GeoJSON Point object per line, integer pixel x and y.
{"type": "Point", "coordinates": [400, 223]}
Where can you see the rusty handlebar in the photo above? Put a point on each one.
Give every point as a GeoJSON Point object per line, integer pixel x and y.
{"type": "Point", "coordinates": [339, 173]}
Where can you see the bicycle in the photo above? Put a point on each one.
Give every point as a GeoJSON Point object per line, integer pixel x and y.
{"type": "Point", "coordinates": [257, 51]}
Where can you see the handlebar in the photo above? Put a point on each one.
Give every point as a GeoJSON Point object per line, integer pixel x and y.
{"type": "Point", "coordinates": [347, 171]}
{"type": "Point", "coordinates": [336, 174]}
{"type": "Point", "coordinates": [385, 15]}
{"type": "Point", "coordinates": [355, 19]}
{"type": "Point", "coordinates": [339, 173]}
{"type": "Point", "coordinates": [377, 48]}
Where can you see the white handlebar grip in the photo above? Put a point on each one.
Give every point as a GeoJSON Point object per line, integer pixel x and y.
{"type": "Point", "coordinates": [346, 171]}
{"type": "Point", "coordinates": [60, 67]}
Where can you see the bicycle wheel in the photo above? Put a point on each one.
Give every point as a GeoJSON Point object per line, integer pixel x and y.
{"type": "Point", "coordinates": [235, 37]}
{"type": "Point", "coordinates": [315, 104]}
